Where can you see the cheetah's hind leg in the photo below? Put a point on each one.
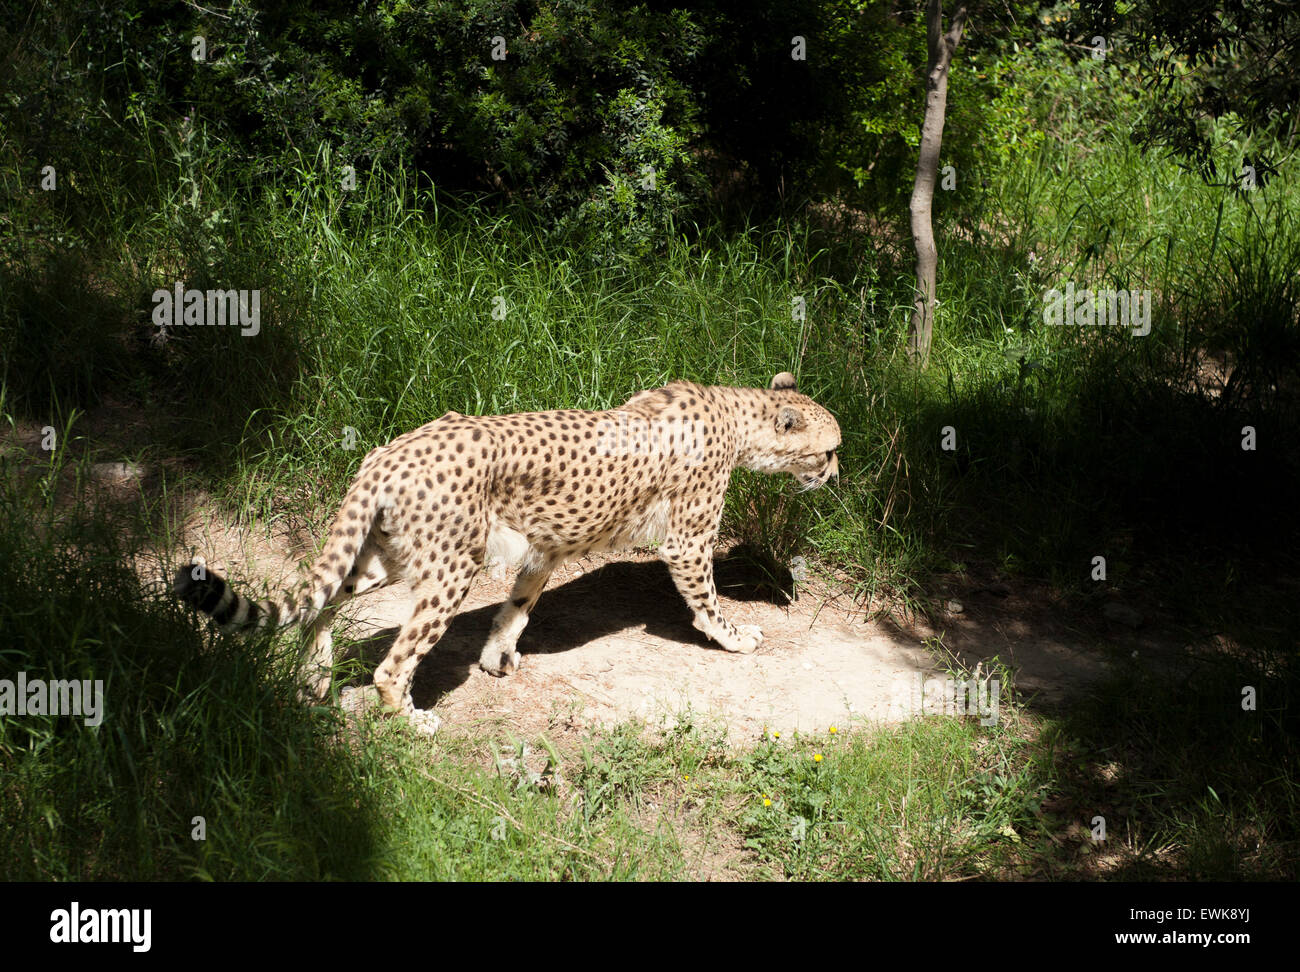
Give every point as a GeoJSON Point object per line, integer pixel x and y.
{"type": "Point", "coordinates": [435, 604]}
{"type": "Point", "coordinates": [374, 568]}
{"type": "Point", "coordinates": [499, 656]}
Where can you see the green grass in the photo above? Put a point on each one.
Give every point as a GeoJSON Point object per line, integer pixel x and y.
{"type": "Point", "coordinates": [387, 306]}
{"type": "Point", "coordinates": [197, 725]}
{"type": "Point", "coordinates": [200, 725]}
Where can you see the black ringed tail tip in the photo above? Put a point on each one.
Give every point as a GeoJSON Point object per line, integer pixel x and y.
{"type": "Point", "coordinates": [211, 595]}
{"type": "Point", "coordinates": [203, 594]}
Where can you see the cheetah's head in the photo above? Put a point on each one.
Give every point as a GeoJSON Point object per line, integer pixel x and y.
{"type": "Point", "coordinates": [796, 435]}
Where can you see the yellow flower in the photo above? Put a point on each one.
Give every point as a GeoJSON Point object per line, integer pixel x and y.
{"type": "Point", "coordinates": [687, 777]}
{"type": "Point", "coordinates": [767, 803]}
{"type": "Point", "coordinates": [834, 730]}
{"type": "Point", "coordinates": [776, 735]}
{"type": "Point", "coordinates": [817, 757]}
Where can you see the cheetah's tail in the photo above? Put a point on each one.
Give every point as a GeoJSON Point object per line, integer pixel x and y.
{"type": "Point", "coordinates": [210, 593]}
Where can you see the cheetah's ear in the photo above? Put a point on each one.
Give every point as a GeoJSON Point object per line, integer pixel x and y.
{"type": "Point", "coordinates": [783, 382]}
{"type": "Point", "coordinates": [789, 419]}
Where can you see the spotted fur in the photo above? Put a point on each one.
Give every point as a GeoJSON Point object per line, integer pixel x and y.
{"type": "Point", "coordinates": [538, 489]}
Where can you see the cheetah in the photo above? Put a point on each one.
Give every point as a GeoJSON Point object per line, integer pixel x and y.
{"type": "Point", "coordinates": [536, 489]}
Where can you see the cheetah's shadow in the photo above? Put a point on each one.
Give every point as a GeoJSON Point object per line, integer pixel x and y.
{"type": "Point", "coordinates": [614, 597]}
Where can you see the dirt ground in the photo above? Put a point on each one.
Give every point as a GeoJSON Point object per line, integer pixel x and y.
{"type": "Point", "coordinates": [611, 639]}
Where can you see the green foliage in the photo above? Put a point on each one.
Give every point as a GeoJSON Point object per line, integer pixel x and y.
{"type": "Point", "coordinates": [874, 56]}
{"type": "Point", "coordinates": [584, 118]}
{"type": "Point", "coordinates": [1208, 62]}
{"type": "Point", "coordinates": [615, 123]}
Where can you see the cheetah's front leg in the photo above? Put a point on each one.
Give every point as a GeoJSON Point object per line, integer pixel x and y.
{"type": "Point", "coordinates": [691, 565]}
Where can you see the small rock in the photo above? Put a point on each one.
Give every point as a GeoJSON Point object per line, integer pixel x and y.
{"type": "Point", "coordinates": [953, 607]}
{"type": "Point", "coordinates": [1122, 613]}
{"type": "Point", "coordinates": [112, 473]}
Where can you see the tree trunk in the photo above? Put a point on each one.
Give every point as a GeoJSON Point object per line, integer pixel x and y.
{"type": "Point", "coordinates": [941, 48]}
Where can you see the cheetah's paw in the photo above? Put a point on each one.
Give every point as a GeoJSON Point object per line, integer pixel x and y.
{"type": "Point", "coordinates": [496, 662]}
{"type": "Point", "coordinates": [424, 721]}
{"type": "Point", "coordinates": [750, 637]}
